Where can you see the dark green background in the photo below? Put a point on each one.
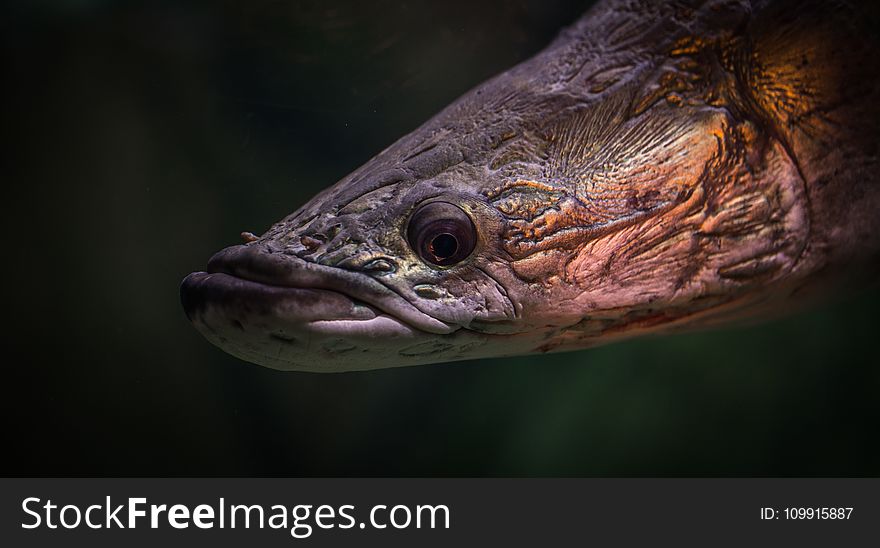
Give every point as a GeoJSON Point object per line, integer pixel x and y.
{"type": "Point", "coordinates": [143, 136]}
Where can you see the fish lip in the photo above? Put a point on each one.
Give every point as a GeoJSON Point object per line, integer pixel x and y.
{"type": "Point", "coordinates": [256, 274]}
{"type": "Point", "coordinates": [202, 290]}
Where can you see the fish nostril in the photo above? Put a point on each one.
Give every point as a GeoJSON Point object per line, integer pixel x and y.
{"type": "Point", "coordinates": [380, 265]}
{"type": "Point", "coordinates": [310, 243]}
{"type": "Point", "coordinates": [238, 325]}
{"type": "Point", "coordinates": [249, 237]}
{"type": "Point", "coordinates": [428, 291]}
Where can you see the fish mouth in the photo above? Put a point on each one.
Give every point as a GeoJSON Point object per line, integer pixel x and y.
{"type": "Point", "coordinates": [283, 312]}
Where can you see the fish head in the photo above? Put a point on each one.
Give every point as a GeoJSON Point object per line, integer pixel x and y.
{"type": "Point", "coordinates": [550, 208]}
{"type": "Point", "coordinates": [552, 226]}
{"type": "Point", "coordinates": [399, 263]}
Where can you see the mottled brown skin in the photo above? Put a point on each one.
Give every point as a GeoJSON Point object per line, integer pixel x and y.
{"type": "Point", "coordinates": [661, 166]}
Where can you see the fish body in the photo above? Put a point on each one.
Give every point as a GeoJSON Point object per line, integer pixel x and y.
{"type": "Point", "coordinates": [661, 166]}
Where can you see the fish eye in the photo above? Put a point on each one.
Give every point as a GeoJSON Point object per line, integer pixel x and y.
{"type": "Point", "coordinates": [441, 234]}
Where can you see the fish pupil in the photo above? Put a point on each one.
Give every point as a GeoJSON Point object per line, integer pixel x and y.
{"type": "Point", "coordinates": [443, 246]}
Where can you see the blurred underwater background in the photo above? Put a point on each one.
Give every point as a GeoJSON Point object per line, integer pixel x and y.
{"type": "Point", "coordinates": [144, 136]}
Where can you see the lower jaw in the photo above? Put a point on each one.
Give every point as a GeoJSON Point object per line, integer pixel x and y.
{"type": "Point", "coordinates": [272, 326]}
{"type": "Point", "coordinates": [324, 346]}
{"type": "Point", "coordinates": [313, 348]}
{"type": "Point", "coordinates": [294, 328]}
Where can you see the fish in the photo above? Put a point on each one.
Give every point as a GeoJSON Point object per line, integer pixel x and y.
{"type": "Point", "coordinates": [660, 167]}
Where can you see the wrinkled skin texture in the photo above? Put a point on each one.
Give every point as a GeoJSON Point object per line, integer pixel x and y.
{"type": "Point", "coordinates": [659, 167]}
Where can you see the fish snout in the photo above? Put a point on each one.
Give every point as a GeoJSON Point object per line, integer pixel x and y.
{"type": "Point", "coordinates": [271, 308]}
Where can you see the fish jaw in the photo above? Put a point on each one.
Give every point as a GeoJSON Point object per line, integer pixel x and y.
{"type": "Point", "coordinates": [284, 313]}
{"type": "Point", "coordinates": [279, 327]}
